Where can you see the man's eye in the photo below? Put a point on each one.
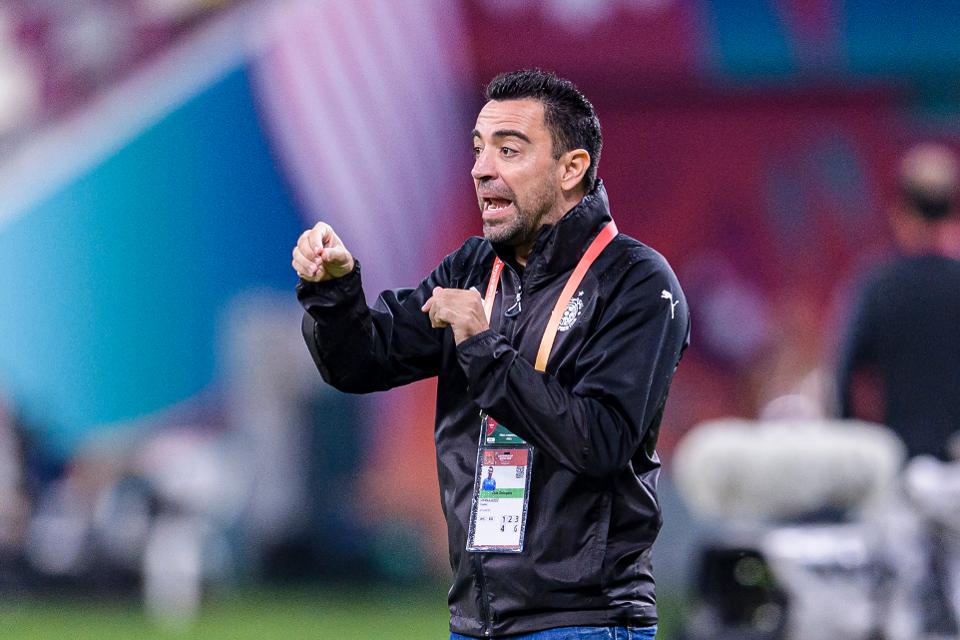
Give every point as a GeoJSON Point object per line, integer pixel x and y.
{"type": "Point", "coordinates": [507, 151]}
{"type": "Point", "coordinates": [476, 151]}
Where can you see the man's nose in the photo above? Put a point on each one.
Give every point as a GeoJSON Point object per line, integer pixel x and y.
{"type": "Point", "coordinates": [483, 167]}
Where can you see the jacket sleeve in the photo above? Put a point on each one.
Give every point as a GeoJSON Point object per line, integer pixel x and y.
{"type": "Point", "coordinates": [359, 349]}
{"type": "Point", "coordinates": [857, 349]}
{"type": "Point", "coordinates": [595, 424]}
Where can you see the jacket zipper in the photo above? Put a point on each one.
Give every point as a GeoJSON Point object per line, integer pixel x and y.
{"type": "Point", "coordinates": [512, 314]}
{"type": "Point", "coordinates": [516, 308]}
{"type": "Point", "coordinates": [484, 597]}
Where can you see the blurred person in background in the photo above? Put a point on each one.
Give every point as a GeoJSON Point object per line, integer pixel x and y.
{"type": "Point", "coordinates": [19, 83]}
{"type": "Point", "coordinates": [903, 340]}
{"type": "Point", "coordinates": [14, 499]}
{"type": "Point", "coordinates": [902, 352]}
{"type": "Point", "coordinates": [56, 55]}
{"type": "Point", "coordinates": [578, 563]}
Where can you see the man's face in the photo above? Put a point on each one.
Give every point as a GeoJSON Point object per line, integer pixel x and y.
{"type": "Point", "coordinates": [490, 472]}
{"type": "Point", "coordinates": [514, 172]}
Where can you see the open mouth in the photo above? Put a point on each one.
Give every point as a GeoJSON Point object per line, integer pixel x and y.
{"type": "Point", "coordinates": [495, 204]}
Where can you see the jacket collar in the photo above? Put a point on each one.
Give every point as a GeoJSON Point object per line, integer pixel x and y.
{"type": "Point", "coordinates": [559, 246]}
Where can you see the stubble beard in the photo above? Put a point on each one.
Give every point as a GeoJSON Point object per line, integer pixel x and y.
{"type": "Point", "coordinates": [523, 227]}
{"type": "Point", "coordinates": [509, 232]}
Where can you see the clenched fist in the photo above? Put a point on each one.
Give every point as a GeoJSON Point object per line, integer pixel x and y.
{"type": "Point", "coordinates": [459, 309]}
{"type": "Point", "coordinates": [320, 255]}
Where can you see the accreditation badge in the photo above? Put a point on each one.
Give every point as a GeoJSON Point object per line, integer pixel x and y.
{"type": "Point", "coordinates": [498, 516]}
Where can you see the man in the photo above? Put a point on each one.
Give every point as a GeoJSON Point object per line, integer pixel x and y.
{"type": "Point", "coordinates": [489, 483]}
{"type": "Point", "coordinates": [563, 365]}
{"type": "Point", "coordinates": [904, 333]}
{"type": "Point", "coordinates": [903, 340]}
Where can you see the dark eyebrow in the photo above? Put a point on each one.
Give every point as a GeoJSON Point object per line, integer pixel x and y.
{"type": "Point", "coordinates": [505, 133]}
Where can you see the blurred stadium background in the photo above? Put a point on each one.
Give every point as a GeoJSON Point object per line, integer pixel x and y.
{"type": "Point", "coordinates": [171, 464]}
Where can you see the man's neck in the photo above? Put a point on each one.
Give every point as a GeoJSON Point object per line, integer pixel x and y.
{"type": "Point", "coordinates": [563, 206]}
{"type": "Point", "coordinates": [919, 237]}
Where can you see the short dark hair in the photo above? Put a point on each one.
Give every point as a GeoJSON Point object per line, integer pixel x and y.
{"type": "Point", "coordinates": [567, 113]}
{"type": "Point", "coordinates": [927, 204]}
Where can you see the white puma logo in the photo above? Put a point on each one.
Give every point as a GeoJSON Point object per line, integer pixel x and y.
{"type": "Point", "coordinates": [666, 295]}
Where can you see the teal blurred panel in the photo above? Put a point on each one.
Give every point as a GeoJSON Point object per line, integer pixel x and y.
{"type": "Point", "coordinates": [749, 39]}
{"type": "Point", "coordinates": [111, 289]}
{"type": "Point", "coordinates": [904, 38]}
{"type": "Point", "coordinates": [790, 39]}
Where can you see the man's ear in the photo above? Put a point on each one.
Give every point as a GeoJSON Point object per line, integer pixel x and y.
{"type": "Point", "coordinates": [573, 166]}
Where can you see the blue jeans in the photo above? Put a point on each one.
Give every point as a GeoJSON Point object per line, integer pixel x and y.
{"type": "Point", "coordinates": [583, 633]}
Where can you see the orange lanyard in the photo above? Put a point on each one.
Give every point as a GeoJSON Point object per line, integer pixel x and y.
{"type": "Point", "coordinates": [608, 233]}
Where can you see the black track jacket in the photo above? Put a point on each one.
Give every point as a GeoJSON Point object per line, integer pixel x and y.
{"type": "Point", "coordinates": [593, 417]}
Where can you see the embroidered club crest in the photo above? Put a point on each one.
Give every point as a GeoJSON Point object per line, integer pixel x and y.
{"type": "Point", "coordinates": [571, 313]}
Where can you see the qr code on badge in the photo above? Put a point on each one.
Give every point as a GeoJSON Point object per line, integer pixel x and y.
{"type": "Point", "coordinates": [521, 471]}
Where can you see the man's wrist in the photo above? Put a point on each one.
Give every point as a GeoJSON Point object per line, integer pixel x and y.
{"type": "Point", "coordinates": [466, 342]}
{"type": "Point", "coordinates": [330, 292]}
